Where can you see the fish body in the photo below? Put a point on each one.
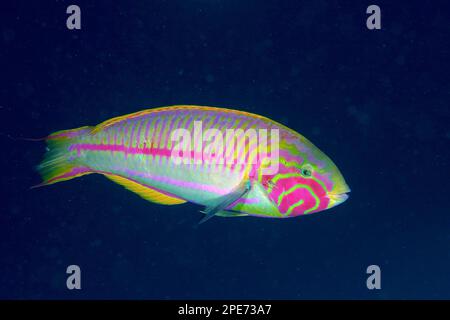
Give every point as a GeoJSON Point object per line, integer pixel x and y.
{"type": "Point", "coordinates": [172, 155]}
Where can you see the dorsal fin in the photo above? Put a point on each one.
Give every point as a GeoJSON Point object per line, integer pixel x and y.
{"type": "Point", "coordinates": [144, 191]}
{"type": "Point", "coordinates": [112, 121]}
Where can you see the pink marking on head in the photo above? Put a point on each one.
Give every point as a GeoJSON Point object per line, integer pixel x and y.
{"type": "Point", "coordinates": [294, 197]}
{"type": "Point", "coordinates": [301, 193]}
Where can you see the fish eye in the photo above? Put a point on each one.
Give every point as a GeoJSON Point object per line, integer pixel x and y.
{"type": "Point", "coordinates": [306, 171]}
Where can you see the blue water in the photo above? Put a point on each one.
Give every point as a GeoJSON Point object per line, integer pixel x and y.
{"type": "Point", "coordinates": [376, 101]}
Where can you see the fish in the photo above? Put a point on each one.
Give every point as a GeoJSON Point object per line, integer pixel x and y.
{"type": "Point", "coordinates": [231, 162]}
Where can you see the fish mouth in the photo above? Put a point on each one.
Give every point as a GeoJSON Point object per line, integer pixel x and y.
{"type": "Point", "coordinates": [337, 198]}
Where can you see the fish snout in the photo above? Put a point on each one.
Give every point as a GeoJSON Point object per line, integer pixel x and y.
{"type": "Point", "coordinates": [336, 199]}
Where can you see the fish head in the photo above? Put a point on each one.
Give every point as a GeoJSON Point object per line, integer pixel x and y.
{"type": "Point", "coordinates": [306, 180]}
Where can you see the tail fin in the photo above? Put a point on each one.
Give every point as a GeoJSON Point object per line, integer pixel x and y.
{"type": "Point", "coordinates": [56, 165]}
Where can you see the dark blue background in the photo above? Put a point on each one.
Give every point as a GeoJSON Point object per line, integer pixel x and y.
{"type": "Point", "coordinates": [377, 102]}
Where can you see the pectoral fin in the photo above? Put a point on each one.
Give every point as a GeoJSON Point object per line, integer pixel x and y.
{"type": "Point", "coordinates": [229, 213]}
{"type": "Point", "coordinates": [240, 191]}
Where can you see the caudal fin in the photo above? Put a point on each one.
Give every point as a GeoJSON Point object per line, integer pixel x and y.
{"type": "Point", "coordinates": [57, 165]}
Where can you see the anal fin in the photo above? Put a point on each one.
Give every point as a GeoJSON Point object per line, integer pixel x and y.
{"type": "Point", "coordinates": [145, 191]}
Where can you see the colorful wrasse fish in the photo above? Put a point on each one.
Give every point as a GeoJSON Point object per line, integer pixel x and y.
{"type": "Point", "coordinates": [137, 151]}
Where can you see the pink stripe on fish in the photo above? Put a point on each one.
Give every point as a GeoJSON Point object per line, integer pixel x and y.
{"type": "Point", "coordinates": [121, 148]}
{"type": "Point", "coordinates": [176, 182]}
{"type": "Point", "coordinates": [186, 184]}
